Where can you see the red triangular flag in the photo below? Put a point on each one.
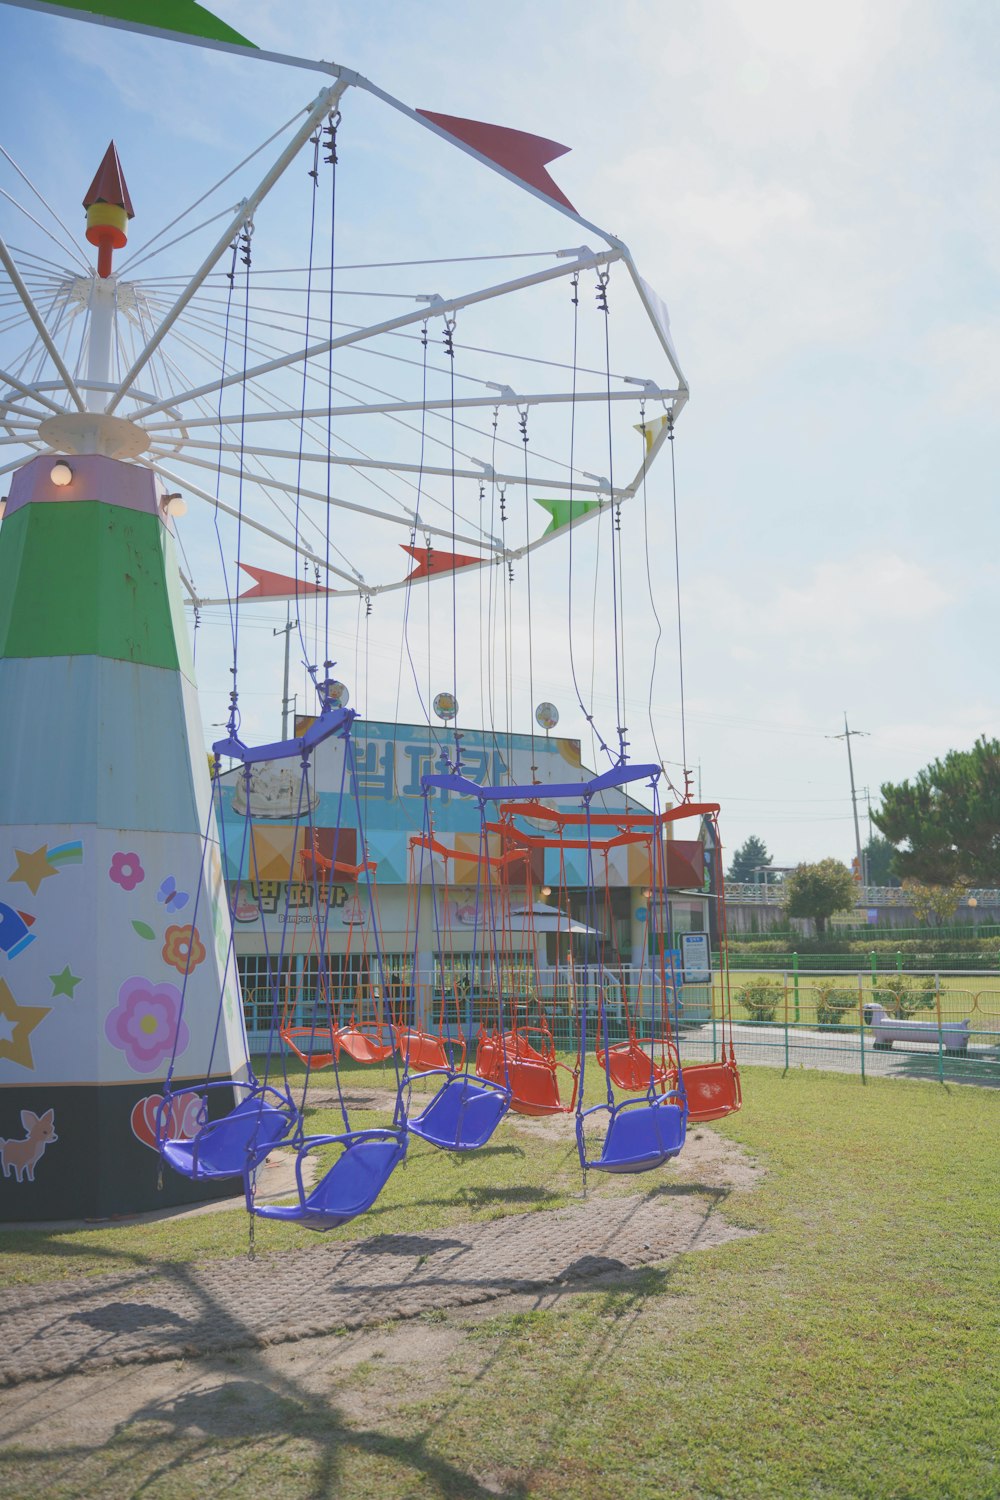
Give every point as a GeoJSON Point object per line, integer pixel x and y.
{"type": "Point", "coordinates": [519, 153]}
{"type": "Point", "coordinates": [268, 585]}
{"type": "Point", "coordinates": [109, 184]}
{"type": "Point", "coordinates": [429, 560]}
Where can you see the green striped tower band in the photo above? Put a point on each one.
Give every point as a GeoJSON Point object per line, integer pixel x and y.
{"type": "Point", "coordinates": [109, 888]}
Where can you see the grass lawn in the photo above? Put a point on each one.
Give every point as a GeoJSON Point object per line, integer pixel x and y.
{"type": "Point", "coordinates": [847, 1349]}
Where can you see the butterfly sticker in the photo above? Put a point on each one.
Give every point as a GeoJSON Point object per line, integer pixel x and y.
{"type": "Point", "coordinates": [171, 897]}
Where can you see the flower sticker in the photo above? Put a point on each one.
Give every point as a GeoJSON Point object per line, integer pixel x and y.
{"type": "Point", "coordinates": [183, 949]}
{"type": "Point", "coordinates": [145, 1022]}
{"type": "Point", "coordinates": [126, 871]}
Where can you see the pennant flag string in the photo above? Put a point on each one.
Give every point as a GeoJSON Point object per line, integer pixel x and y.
{"type": "Point", "coordinates": [429, 561]}
{"type": "Point", "coordinates": [564, 511]}
{"type": "Point", "coordinates": [268, 585]}
{"type": "Point", "coordinates": [522, 155]}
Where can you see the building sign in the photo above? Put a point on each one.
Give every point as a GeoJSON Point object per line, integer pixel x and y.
{"type": "Point", "coordinates": [696, 958]}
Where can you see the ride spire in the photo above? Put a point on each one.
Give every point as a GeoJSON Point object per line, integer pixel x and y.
{"type": "Point", "coordinates": [109, 209]}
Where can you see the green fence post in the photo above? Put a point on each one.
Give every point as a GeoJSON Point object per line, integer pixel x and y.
{"type": "Point", "coordinates": [937, 997]}
{"type": "Point", "coordinates": [899, 961]}
{"type": "Point", "coordinates": [795, 981]}
{"type": "Point", "coordinates": [784, 993]}
{"type": "Point", "coordinates": [861, 1025]}
{"type": "Point", "coordinates": [874, 970]}
{"type": "Point", "coordinates": [714, 1052]}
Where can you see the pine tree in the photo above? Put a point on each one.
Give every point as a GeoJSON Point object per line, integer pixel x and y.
{"type": "Point", "coordinates": [748, 860]}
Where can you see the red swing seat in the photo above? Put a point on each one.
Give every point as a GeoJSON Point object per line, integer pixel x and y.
{"type": "Point", "coordinates": [426, 1052]}
{"type": "Point", "coordinates": [293, 1036]}
{"type": "Point", "coordinates": [631, 1067]}
{"type": "Point", "coordinates": [365, 1042]}
{"type": "Point", "coordinates": [531, 1075]}
{"type": "Point", "coordinates": [712, 1088]}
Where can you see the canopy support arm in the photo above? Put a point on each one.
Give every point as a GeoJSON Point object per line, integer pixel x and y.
{"type": "Point", "coordinates": [39, 322]}
{"type": "Point", "coordinates": [323, 105]}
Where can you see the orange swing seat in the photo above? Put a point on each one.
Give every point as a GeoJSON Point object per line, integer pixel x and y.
{"type": "Point", "coordinates": [712, 1088]}
{"type": "Point", "coordinates": [531, 1075]}
{"type": "Point", "coordinates": [631, 1067]}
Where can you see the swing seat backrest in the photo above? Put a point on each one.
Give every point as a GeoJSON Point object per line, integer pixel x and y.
{"type": "Point", "coordinates": [492, 1049]}
{"type": "Point", "coordinates": [302, 1041]}
{"type": "Point", "coordinates": [350, 1187]}
{"type": "Point", "coordinates": [631, 1067]}
{"type": "Point", "coordinates": [642, 1134]}
{"type": "Point", "coordinates": [463, 1114]}
{"type": "Point", "coordinates": [366, 1044]}
{"type": "Point", "coordinates": [532, 1078]}
{"type": "Point", "coordinates": [712, 1088]}
{"type": "Point", "coordinates": [221, 1147]}
{"type": "Point", "coordinates": [424, 1052]}
{"type": "Point", "coordinates": [534, 1087]}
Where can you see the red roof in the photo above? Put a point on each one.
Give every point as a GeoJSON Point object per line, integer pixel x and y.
{"type": "Point", "coordinates": [109, 184]}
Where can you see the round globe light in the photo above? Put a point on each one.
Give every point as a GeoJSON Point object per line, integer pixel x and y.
{"type": "Point", "coordinates": [61, 474]}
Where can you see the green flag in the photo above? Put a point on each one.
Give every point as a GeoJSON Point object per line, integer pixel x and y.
{"type": "Point", "coordinates": [564, 511]}
{"type": "Point", "coordinates": [184, 17]}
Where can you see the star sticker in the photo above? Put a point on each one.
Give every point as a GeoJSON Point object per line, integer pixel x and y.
{"type": "Point", "coordinates": [64, 983]}
{"type": "Point", "coordinates": [17, 1022]}
{"type": "Point", "coordinates": [33, 868]}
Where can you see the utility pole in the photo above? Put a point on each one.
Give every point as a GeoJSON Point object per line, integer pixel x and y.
{"type": "Point", "coordinates": [286, 631]}
{"type": "Point", "coordinates": [846, 737]}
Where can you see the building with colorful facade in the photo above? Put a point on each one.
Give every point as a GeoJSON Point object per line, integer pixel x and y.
{"type": "Point", "coordinates": [430, 908]}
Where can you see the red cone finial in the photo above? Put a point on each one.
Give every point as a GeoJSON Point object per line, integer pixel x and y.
{"type": "Point", "coordinates": [109, 209]}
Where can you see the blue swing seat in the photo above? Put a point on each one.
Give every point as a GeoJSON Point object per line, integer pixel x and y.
{"type": "Point", "coordinates": [642, 1133]}
{"type": "Point", "coordinates": [349, 1188]}
{"type": "Point", "coordinates": [464, 1112]}
{"type": "Point", "coordinates": [221, 1147]}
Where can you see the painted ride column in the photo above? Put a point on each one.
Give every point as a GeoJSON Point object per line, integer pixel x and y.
{"type": "Point", "coordinates": [104, 802]}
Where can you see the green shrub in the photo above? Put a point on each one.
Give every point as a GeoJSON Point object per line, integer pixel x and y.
{"type": "Point", "coordinates": [834, 1006]}
{"type": "Point", "coordinates": [760, 998]}
{"type": "Point", "coordinates": [902, 996]}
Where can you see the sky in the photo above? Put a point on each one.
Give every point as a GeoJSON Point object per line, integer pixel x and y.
{"type": "Point", "coordinates": [814, 192]}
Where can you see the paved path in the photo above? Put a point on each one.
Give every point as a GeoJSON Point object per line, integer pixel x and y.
{"type": "Point", "coordinates": [181, 1311]}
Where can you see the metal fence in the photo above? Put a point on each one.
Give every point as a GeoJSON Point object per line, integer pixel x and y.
{"type": "Point", "coordinates": [930, 1024]}
{"type": "Point", "coordinates": [918, 1023]}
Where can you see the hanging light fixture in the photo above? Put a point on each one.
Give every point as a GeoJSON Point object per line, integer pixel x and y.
{"type": "Point", "coordinates": [61, 474]}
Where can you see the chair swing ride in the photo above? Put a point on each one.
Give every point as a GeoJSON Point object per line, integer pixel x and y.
{"type": "Point", "coordinates": [414, 430]}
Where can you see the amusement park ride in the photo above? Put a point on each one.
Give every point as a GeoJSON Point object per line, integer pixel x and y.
{"type": "Point", "coordinates": [312, 429]}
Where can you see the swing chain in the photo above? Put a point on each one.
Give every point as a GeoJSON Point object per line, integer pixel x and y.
{"type": "Point", "coordinates": [601, 292]}
{"type": "Point", "coordinates": [448, 339]}
{"type": "Point", "coordinates": [575, 287]}
{"type": "Point", "coordinates": [503, 505]}
{"type": "Point", "coordinates": [522, 422]}
{"type": "Point", "coordinates": [246, 235]}
{"type": "Point", "coordinates": [423, 335]}
{"type": "Point", "coordinates": [330, 132]}
{"type": "Point", "coordinates": [368, 606]}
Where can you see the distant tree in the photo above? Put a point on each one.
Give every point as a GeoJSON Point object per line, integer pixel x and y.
{"type": "Point", "coordinates": [748, 859]}
{"type": "Point", "coordinates": [879, 856]}
{"type": "Point", "coordinates": [819, 890]}
{"type": "Point", "coordinates": [934, 901]}
{"type": "Point", "coordinates": [948, 818]}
